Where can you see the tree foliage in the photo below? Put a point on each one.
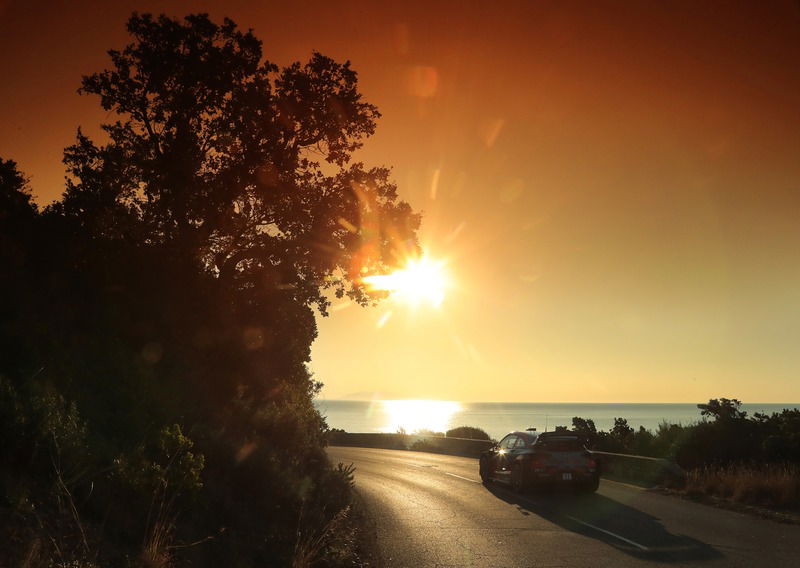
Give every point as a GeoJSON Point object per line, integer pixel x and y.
{"type": "Point", "coordinates": [15, 195]}
{"type": "Point", "coordinates": [722, 409]}
{"type": "Point", "coordinates": [730, 438]}
{"type": "Point", "coordinates": [221, 155]}
{"type": "Point", "coordinates": [470, 432]}
{"type": "Point", "coordinates": [165, 305]}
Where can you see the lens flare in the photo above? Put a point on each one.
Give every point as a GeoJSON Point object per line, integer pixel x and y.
{"type": "Point", "coordinates": [423, 280]}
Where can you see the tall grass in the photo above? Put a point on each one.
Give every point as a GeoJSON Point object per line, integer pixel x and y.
{"type": "Point", "coordinates": [772, 485]}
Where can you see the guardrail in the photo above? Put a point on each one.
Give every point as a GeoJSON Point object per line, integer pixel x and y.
{"type": "Point", "coordinates": [464, 447]}
{"type": "Point", "coordinates": [641, 470]}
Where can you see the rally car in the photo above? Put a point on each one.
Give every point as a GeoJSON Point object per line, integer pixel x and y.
{"type": "Point", "coordinates": [530, 459]}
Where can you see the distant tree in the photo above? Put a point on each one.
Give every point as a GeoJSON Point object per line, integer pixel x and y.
{"type": "Point", "coordinates": [470, 432]}
{"type": "Point", "coordinates": [642, 442]}
{"type": "Point", "coordinates": [722, 409]}
{"type": "Point", "coordinates": [586, 429]}
{"type": "Point", "coordinates": [18, 217]}
{"type": "Point", "coordinates": [622, 432]}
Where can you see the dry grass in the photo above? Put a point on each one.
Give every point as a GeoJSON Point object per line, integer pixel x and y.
{"type": "Point", "coordinates": [309, 548]}
{"type": "Point", "coordinates": [773, 486]}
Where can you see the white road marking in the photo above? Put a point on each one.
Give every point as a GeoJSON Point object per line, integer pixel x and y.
{"type": "Point", "coordinates": [595, 527]}
{"type": "Point", "coordinates": [458, 476]}
{"type": "Point", "coordinates": [622, 538]}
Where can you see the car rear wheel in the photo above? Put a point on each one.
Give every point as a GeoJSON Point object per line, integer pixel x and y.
{"type": "Point", "coordinates": [483, 470]}
{"type": "Point", "coordinates": [519, 483]}
{"type": "Point", "coordinates": [592, 485]}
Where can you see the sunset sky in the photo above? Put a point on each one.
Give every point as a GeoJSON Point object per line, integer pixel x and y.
{"type": "Point", "coordinates": [614, 187]}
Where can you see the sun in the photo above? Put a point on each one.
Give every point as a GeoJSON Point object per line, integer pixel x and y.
{"type": "Point", "coordinates": [421, 281]}
{"type": "Point", "coordinates": [416, 415]}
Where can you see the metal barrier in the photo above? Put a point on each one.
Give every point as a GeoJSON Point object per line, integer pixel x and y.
{"type": "Point", "coordinates": [641, 470]}
{"type": "Point", "coordinates": [465, 447]}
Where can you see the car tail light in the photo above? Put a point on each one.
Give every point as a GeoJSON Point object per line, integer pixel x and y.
{"type": "Point", "coordinates": [537, 463]}
{"type": "Point", "coordinates": [591, 464]}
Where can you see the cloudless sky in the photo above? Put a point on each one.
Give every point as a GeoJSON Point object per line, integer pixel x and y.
{"type": "Point", "coordinates": [615, 185]}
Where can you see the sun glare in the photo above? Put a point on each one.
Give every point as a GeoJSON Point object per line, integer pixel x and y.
{"type": "Point", "coordinates": [415, 415]}
{"type": "Point", "coordinates": [422, 280]}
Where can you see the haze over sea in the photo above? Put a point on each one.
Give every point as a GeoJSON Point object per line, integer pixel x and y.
{"type": "Point", "coordinates": [498, 418]}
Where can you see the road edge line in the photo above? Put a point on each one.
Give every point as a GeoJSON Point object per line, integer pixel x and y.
{"type": "Point", "coordinates": [460, 477]}
{"type": "Point", "coordinates": [620, 537]}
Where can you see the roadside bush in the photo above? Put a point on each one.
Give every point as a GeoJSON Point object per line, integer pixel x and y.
{"type": "Point", "coordinates": [431, 433]}
{"type": "Point", "coordinates": [725, 435]}
{"type": "Point", "coordinates": [470, 432]}
{"type": "Point", "coordinates": [43, 444]}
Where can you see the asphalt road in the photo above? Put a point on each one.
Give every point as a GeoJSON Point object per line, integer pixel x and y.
{"type": "Point", "coordinates": [432, 510]}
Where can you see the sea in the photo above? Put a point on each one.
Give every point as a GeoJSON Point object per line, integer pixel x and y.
{"type": "Point", "coordinates": [499, 418]}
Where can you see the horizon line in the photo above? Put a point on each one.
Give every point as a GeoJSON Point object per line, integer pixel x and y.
{"type": "Point", "coordinates": [321, 399]}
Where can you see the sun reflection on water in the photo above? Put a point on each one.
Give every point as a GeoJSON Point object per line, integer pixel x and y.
{"type": "Point", "coordinates": [416, 415]}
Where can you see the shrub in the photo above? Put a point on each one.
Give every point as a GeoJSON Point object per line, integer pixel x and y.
{"type": "Point", "coordinates": [428, 432]}
{"type": "Point", "coordinates": [43, 444]}
{"type": "Point", "coordinates": [469, 432]}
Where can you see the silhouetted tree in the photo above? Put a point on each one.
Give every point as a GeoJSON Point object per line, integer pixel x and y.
{"type": "Point", "coordinates": [163, 311]}
{"type": "Point", "coordinates": [586, 429]}
{"type": "Point", "coordinates": [15, 195]}
{"type": "Point", "coordinates": [620, 436]}
{"type": "Point", "coordinates": [468, 432]}
{"type": "Point", "coordinates": [722, 409]}
{"type": "Point", "coordinates": [217, 154]}
{"type": "Point", "coordinates": [18, 217]}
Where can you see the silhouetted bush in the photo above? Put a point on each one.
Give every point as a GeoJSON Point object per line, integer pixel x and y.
{"type": "Point", "coordinates": [427, 432]}
{"type": "Point", "coordinates": [723, 436]}
{"type": "Point", "coordinates": [470, 432]}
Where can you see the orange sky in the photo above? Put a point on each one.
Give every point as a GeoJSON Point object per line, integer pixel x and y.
{"type": "Point", "coordinates": [618, 186]}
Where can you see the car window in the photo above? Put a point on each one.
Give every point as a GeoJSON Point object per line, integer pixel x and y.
{"type": "Point", "coordinates": [508, 442]}
{"type": "Point", "coordinates": [560, 444]}
{"type": "Point", "coordinates": [522, 442]}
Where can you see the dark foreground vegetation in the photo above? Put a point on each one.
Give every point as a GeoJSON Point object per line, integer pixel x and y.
{"type": "Point", "coordinates": [156, 321]}
{"type": "Point", "coordinates": [749, 459]}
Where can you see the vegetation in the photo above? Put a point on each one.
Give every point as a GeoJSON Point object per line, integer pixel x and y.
{"type": "Point", "coordinates": [727, 454]}
{"type": "Point", "coordinates": [724, 435]}
{"type": "Point", "coordinates": [771, 485]}
{"type": "Point", "coordinates": [469, 432]}
{"type": "Point", "coordinates": [156, 321]}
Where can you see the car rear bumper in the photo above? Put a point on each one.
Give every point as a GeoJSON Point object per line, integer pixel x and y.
{"type": "Point", "coordinates": [563, 478]}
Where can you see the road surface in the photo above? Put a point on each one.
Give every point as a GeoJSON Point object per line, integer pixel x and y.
{"type": "Point", "coordinates": [432, 510]}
